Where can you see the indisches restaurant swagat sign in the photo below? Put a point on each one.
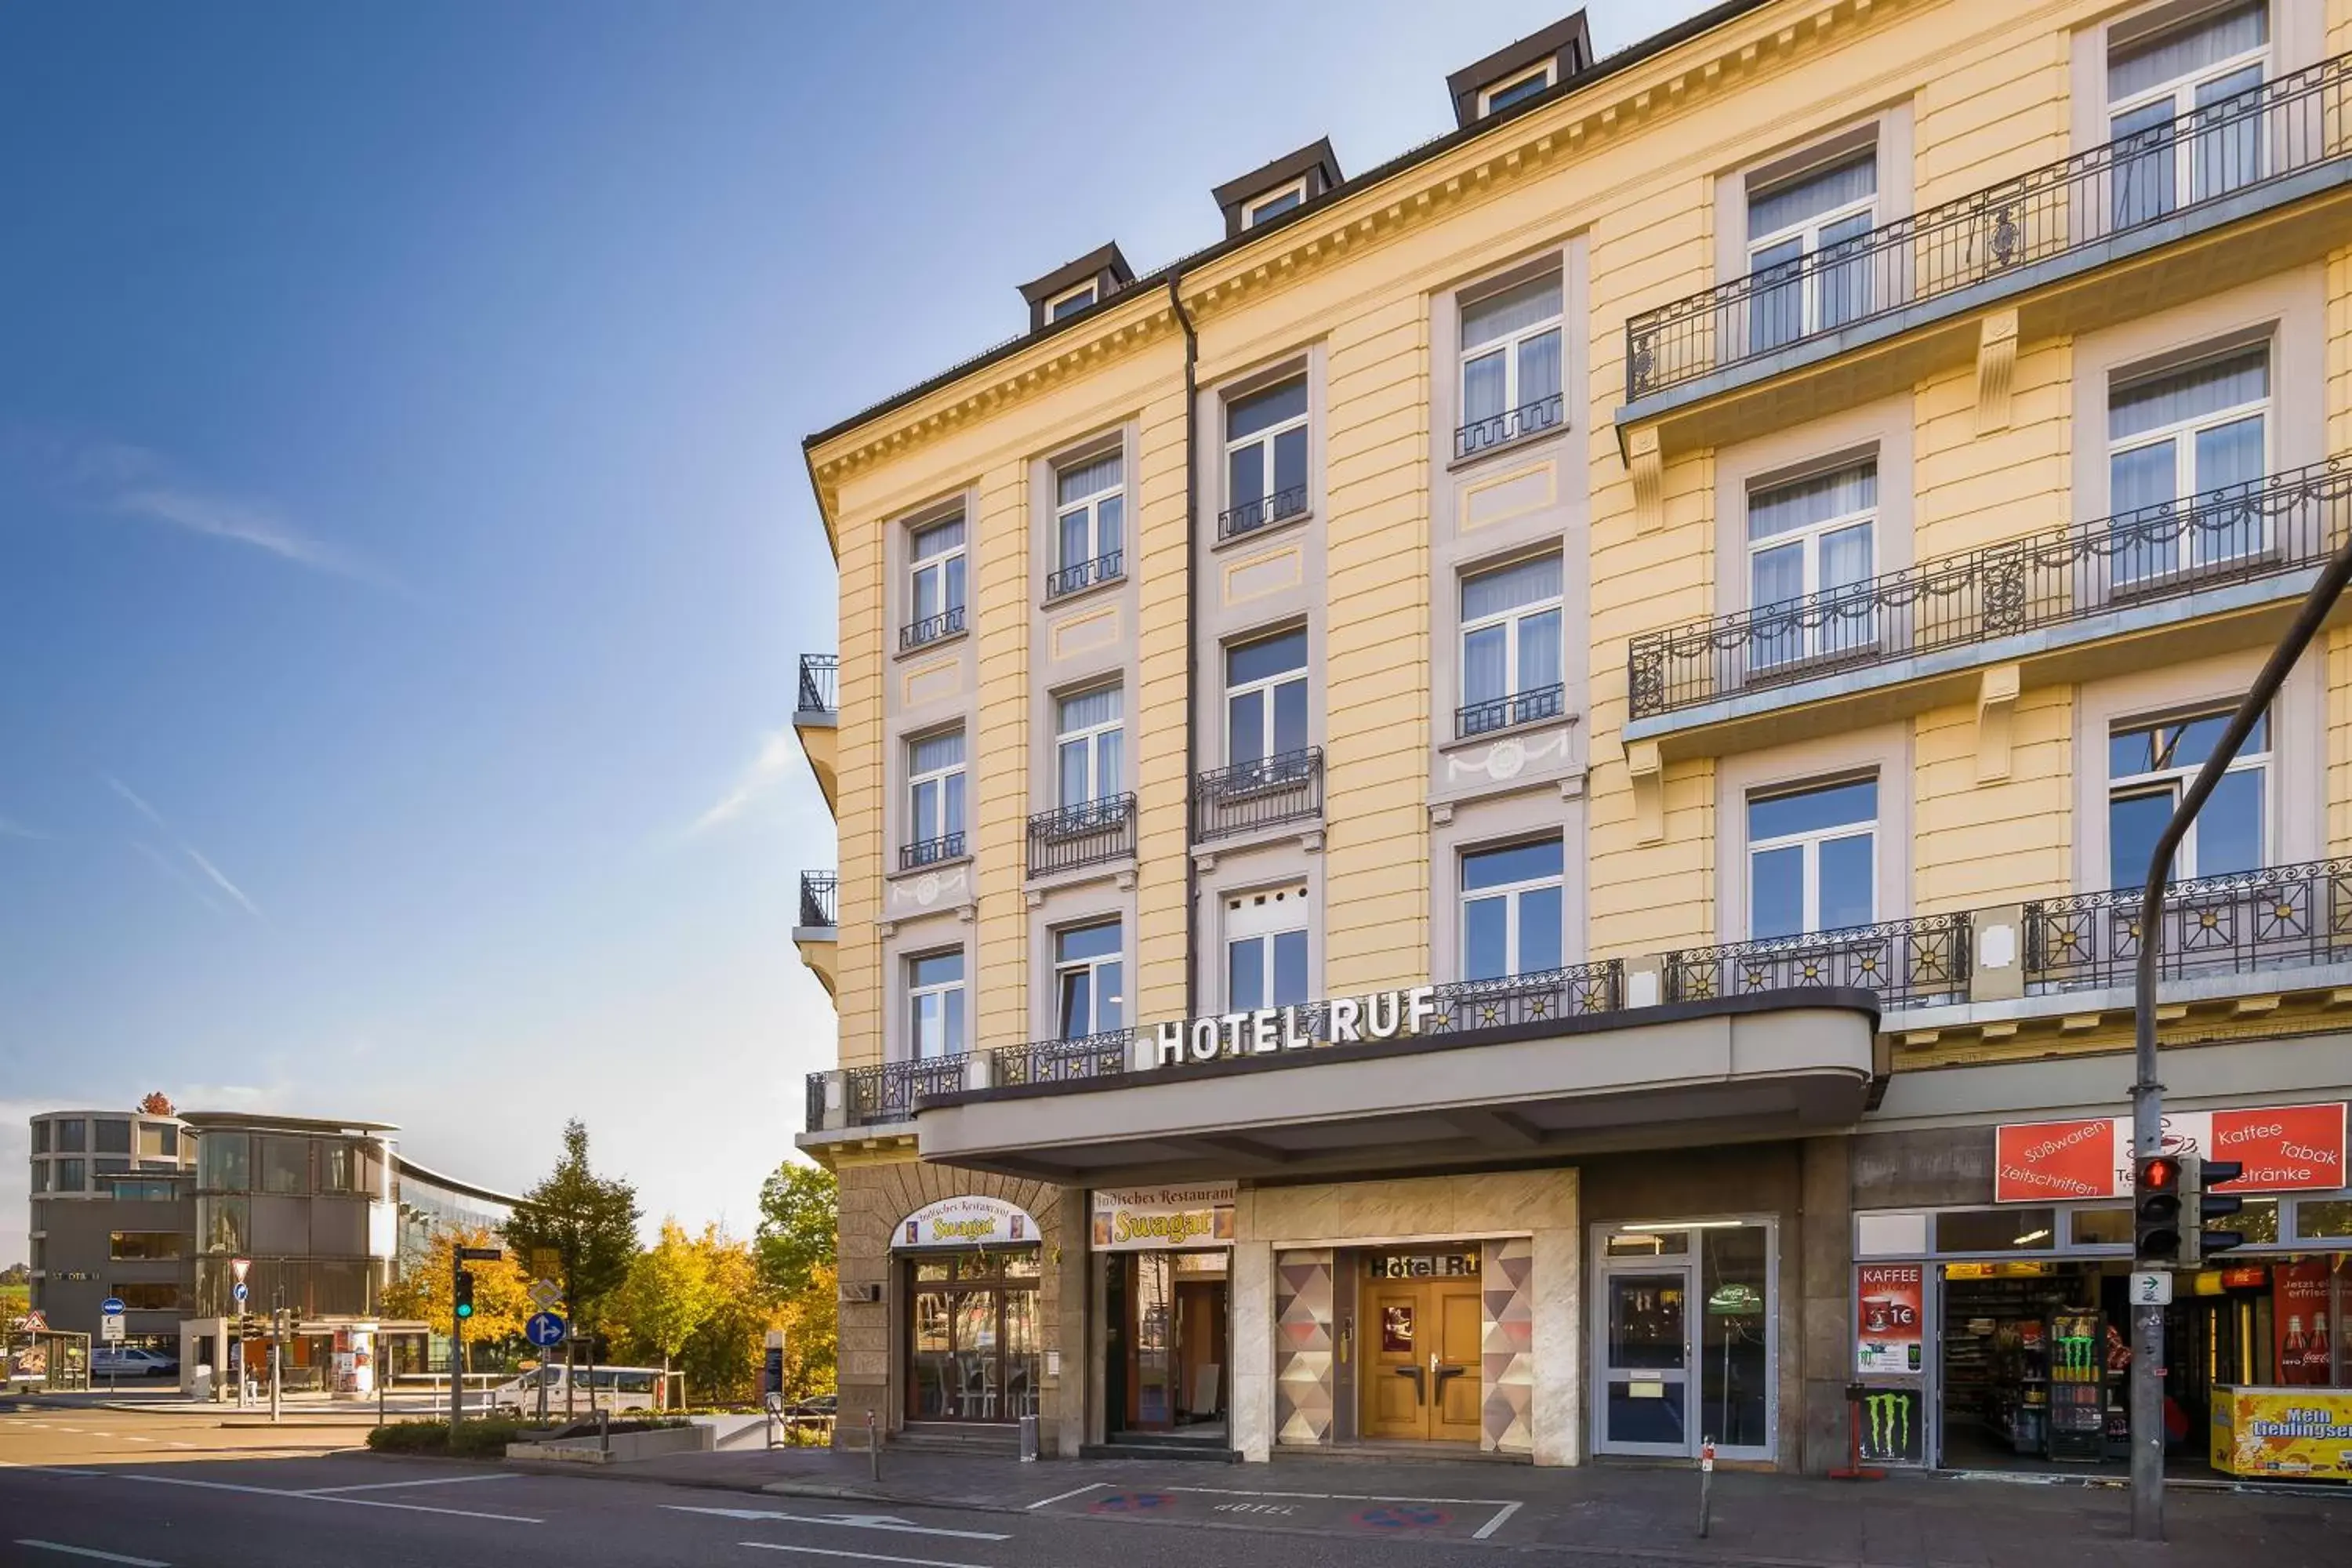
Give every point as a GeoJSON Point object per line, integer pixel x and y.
{"type": "Point", "coordinates": [2285, 1148]}
{"type": "Point", "coordinates": [1266, 1031]}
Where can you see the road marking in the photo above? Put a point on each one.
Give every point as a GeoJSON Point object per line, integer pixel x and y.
{"type": "Point", "coordinates": [860, 1556]}
{"type": "Point", "coordinates": [47, 1470]}
{"type": "Point", "coordinates": [307, 1496]}
{"type": "Point", "coordinates": [1344, 1497]}
{"type": "Point", "coordinates": [135, 1438]}
{"type": "Point", "coordinates": [101, 1556]}
{"type": "Point", "coordinates": [890, 1522]}
{"type": "Point", "coordinates": [427, 1481]}
{"type": "Point", "coordinates": [1065, 1497]}
{"type": "Point", "coordinates": [1495, 1523]}
{"type": "Point", "coordinates": [177, 1443]}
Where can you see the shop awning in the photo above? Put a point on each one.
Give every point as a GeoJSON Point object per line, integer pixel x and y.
{"type": "Point", "coordinates": [1776, 1064]}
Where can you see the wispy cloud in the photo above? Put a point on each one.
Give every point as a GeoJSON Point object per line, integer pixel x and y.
{"type": "Point", "coordinates": [171, 868]}
{"type": "Point", "coordinates": [778, 755]}
{"type": "Point", "coordinates": [163, 863]}
{"type": "Point", "coordinates": [11, 829]}
{"type": "Point", "coordinates": [137, 803]}
{"type": "Point", "coordinates": [223, 883]}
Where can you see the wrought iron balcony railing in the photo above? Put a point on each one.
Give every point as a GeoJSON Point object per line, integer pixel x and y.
{"type": "Point", "coordinates": [1108, 567]}
{"type": "Point", "coordinates": [1105, 1055]}
{"type": "Point", "coordinates": [2279, 525]}
{"type": "Point", "coordinates": [877, 1095]}
{"type": "Point", "coordinates": [1503, 713]}
{"type": "Point", "coordinates": [1527, 419]}
{"type": "Point", "coordinates": [1577, 992]}
{"type": "Point", "coordinates": [929, 851]}
{"type": "Point", "coordinates": [931, 629]}
{"type": "Point", "coordinates": [1267, 792]}
{"type": "Point", "coordinates": [819, 902]}
{"type": "Point", "coordinates": [1251, 516]}
{"type": "Point", "coordinates": [2277, 918]}
{"type": "Point", "coordinates": [820, 682]}
{"type": "Point", "coordinates": [1086, 834]}
{"type": "Point", "coordinates": [1910, 963]}
{"type": "Point", "coordinates": [2284, 126]}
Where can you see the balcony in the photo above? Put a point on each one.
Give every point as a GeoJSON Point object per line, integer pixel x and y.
{"type": "Point", "coordinates": [2283, 917]}
{"type": "Point", "coordinates": [1527, 420]}
{"type": "Point", "coordinates": [817, 933]}
{"type": "Point", "coordinates": [1104, 1055]}
{"type": "Point", "coordinates": [1905, 964]}
{"type": "Point", "coordinates": [1254, 796]}
{"type": "Point", "coordinates": [931, 629]}
{"type": "Point", "coordinates": [930, 851]}
{"type": "Point", "coordinates": [2121, 230]}
{"type": "Point", "coordinates": [1509, 711]}
{"type": "Point", "coordinates": [1108, 567]}
{"type": "Point", "coordinates": [1088, 833]}
{"type": "Point", "coordinates": [1251, 516]}
{"type": "Point", "coordinates": [2163, 582]}
{"type": "Point", "coordinates": [880, 1096]}
{"type": "Point", "coordinates": [816, 716]}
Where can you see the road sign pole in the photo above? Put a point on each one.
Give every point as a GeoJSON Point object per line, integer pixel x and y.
{"type": "Point", "coordinates": [456, 1341]}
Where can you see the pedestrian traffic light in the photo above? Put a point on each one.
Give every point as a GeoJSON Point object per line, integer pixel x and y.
{"type": "Point", "coordinates": [2199, 1203]}
{"type": "Point", "coordinates": [465, 1295]}
{"type": "Point", "coordinates": [2156, 1210]}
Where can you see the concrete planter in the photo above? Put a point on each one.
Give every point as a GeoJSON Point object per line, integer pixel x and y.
{"type": "Point", "coordinates": [625, 1447]}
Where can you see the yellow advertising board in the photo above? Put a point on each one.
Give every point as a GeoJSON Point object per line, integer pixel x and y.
{"type": "Point", "coordinates": [2304, 1433]}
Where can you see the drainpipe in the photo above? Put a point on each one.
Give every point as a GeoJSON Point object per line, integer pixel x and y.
{"type": "Point", "coordinates": [1191, 624]}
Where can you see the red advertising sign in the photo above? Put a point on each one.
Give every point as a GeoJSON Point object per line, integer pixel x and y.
{"type": "Point", "coordinates": [2048, 1160]}
{"type": "Point", "coordinates": [2285, 1148]}
{"type": "Point", "coordinates": [2300, 1336]}
{"type": "Point", "coordinates": [1889, 1312]}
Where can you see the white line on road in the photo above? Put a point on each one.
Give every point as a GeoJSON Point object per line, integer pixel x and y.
{"type": "Point", "coordinates": [306, 1497]}
{"type": "Point", "coordinates": [1341, 1497]}
{"type": "Point", "coordinates": [847, 1521]}
{"type": "Point", "coordinates": [1495, 1523]}
{"type": "Point", "coordinates": [1065, 1497]}
{"type": "Point", "coordinates": [427, 1481]}
{"type": "Point", "coordinates": [860, 1556]}
{"type": "Point", "coordinates": [45, 1469]}
{"type": "Point", "coordinates": [101, 1556]}
{"type": "Point", "coordinates": [135, 1438]}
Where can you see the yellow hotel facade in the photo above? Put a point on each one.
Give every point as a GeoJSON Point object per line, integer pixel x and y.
{"type": "Point", "coordinates": [1482, 818]}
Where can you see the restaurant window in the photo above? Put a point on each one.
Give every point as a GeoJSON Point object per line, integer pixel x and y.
{"type": "Point", "coordinates": [1266, 949]}
{"type": "Point", "coordinates": [2180, 104]}
{"type": "Point", "coordinates": [935, 797]}
{"type": "Point", "coordinates": [1512, 671]}
{"type": "Point", "coordinates": [2150, 763]}
{"type": "Point", "coordinates": [935, 1006]}
{"type": "Point", "coordinates": [1805, 234]}
{"type": "Point", "coordinates": [1812, 858]}
{"type": "Point", "coordinates": [936, 552]}
{"type": "Point", "coordinates": [110, 1138]}
{"type": "Point", "coordinates": [1265, 697]}
{"type": "Point", "coordinates": [1266, 456]}
{"type": "Point", "coordinates": [1511, 909]}
{"type": "Point", "coordinates": [1510, 364]}
{"type": "Point", "coordinates": [1089, 731]}
{"type": "Point", "coordinates": [1090, 522]}
{"type": "Point", "coordinates": [2198, 431]}
{"type": "Point", "coordinates": [1089, 995]}
{"type": "Point", "coordinates": [1810, 544]}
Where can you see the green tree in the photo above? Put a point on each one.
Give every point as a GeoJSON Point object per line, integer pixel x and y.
{"type": "Point", "coordinates": [589, 1220]}
{"type": "Point", "coordinates": [811, 1335]}
{"type": "Point", "coordinates": [502, 1294]}
{"type": "Point", "coordinates": [800, 1218]}
{"type": "Point", "coordinates": [668, 1295]}
{"type": "Point", "coordinates": [722, 1362]}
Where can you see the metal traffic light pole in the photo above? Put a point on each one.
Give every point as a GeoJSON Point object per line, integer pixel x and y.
{"type": "Point", "coordinates": [2147, 1095]}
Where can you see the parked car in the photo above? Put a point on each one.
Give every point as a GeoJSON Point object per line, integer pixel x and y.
{"type": "Point", "coordinates": [129, 1361]}
{"type": "Point", "coordinates": [609, 1388]}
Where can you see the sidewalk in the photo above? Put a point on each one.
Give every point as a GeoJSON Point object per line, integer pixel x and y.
{"type": "Point", "coordinates": [1906, 1521]}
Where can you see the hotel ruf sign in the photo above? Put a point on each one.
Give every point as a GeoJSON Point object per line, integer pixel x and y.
{"type": "Point", "coordinates": [2285, 1148]}
{"type": "Point", "coordinates": [1148, 1219]}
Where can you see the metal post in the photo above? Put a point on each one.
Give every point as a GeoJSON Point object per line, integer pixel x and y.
{"type": "Point", "coordinates": [543, 1370]}
{"type": "Point", "coordinates": [1705, 1481]}
{"type": "Point", "coordinates": [2147, 1094]}
{"type": "Point", "coordinates": [456, 1341]}
{"type": "Point", "coordinates": [873, 1449]}
{"type": "Point", "coordinates": [276, 1363]}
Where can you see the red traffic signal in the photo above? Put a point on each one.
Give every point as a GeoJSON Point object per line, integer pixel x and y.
{"type": "Point", "coordinates": [2159, 1174]}
{"type": "Point", "coordinates": [2156, 1210]}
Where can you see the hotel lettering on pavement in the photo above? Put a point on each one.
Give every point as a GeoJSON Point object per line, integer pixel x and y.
{"type": "Point", "coordinates": [1501, 814]}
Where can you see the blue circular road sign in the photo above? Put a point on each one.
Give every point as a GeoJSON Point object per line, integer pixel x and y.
{"type": "Point", "coordinates": [112, 1307]}
{"type": "Point", "coordinates": [545, 1329]}
{"type": "Point", "coordinates": [240, 1294]}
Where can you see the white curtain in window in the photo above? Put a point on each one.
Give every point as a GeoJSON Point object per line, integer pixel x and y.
{"type": "Point", "coordinates": [939, 538]}
{"type": "Point", "coordinates": [936, 751]}
{"type": "Point", "coordinates": [1089, 478]}
{"type": "Point", "coordinates": [1086, 708]}
{"type": "Point", "coordinates": [2186, 50]}
{"type": "Point", "coordinates": [1500, 314]}
{"type": "Point", "coordinates": [1806, 502]}
{"type": "Point", "coordinates": [1540, 369]}
{"type": "Point", "coordinates": [1525, 583]}
{"type": "Point", "coordinates": [1823, 190]}
{"type": "Point", "coordinates": [2189, 393]}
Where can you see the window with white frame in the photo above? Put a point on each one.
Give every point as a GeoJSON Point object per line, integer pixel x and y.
{"type": "Point", "coordinates": [935, 1006]}
{"type": "Point", "coordinates": [1510, 364]}
{"type": "Point", "coordinates": [2150, 762]}
{"type": "Point", "coordinates": [1511, 669]}
{"type": "Point", "coordinates": [936, 564]}
{"type": "Point", "coordinates": [1515, 88]}
{"type": "Point", "coordinates": [1511, 909]}
{"type": "Point", "coordinates": [2179, 111]}
{"type": "Point", "coordinates": [1070, 302]}
{"type": "Point", "coordinates": [1090, 522]}
{"type": "Point", "coordinates": [1265, 699]}
{"type": "Point", "coordinates": [1266, 949]}
{"type": "Point", "coordinates": [1265, 458]}
{"type": "Point", "coordinates": [1812, 858]}
{"type": "Point", "coordinates": [1274, 203]}
{"type": "Point", "coordinates": [934, 798]}
{"type": "Point", "coordinates": [1809, 543]}
{"type": "Point", "coordinates": [2176, 442]}
{"type": "Point", "coordinates": [1089, 992]}
{"type": "Point", "coordinates": [1803, 238]}
{"type": "Point", "coordinates": [1089, 729]}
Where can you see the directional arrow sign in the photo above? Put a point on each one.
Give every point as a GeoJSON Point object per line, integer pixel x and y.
{"type": "Point", "coordinates": [545, 1329]}
{"type": "Point", "coordinates": [847, 1521]}
{"type": "Point", "coordinates": [240, 1292]}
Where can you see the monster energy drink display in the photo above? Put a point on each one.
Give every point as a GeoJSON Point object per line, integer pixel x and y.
{"type": "Point", "coordinates": [1893, 1426]}
{"type": "Point", "coordinates": [2078, 1407]}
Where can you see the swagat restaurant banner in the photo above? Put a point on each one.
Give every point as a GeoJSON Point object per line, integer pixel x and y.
{"type": "Point", "coordinates": [1139, 1219]}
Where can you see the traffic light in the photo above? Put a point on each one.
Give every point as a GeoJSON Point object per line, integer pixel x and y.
{"type": "Point", "coordinates": [465, 1295]}
{"type": "Point", "coordinates": [2199, 1203]}
{"type": "Point", "coordinates": [2156, 1210]}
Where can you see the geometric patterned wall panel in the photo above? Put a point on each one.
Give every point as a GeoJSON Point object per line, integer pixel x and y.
{"type": "Point", "coordinates": [1507, 1374]}
{"type": "Point", "coordinates": [1303, 1329]}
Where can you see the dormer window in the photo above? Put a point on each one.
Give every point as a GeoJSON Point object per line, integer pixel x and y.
{"type": "Point", "coordinates": [1075, 286]}
{"type": "Point", "coordinates": [1273, 203]}
{"type": "Point", "coordinates": [1071, 301]}
{"type": "Point", "coordinates": [1515, 90]}
{"type": "Point", "coordinates": [1287, 183]}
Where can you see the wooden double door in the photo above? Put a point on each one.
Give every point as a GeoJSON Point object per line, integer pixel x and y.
{"type": "Point", "coordinates": [1420, 1378]}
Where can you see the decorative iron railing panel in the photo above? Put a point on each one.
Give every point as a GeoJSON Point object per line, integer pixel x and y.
{"type": "Point", "coordinates": [1251, 516]}
{"type": "Point", "coordinates": [820, 897]}
{"type": "Point", "coordinates": [820, 682]}
{"type": "Point", "coordinates": [872, 1096]}
{"type": "Point", "coordinates": [930, 851]}
{"type": "Point", "coordinates": [1579, 991]}
{"type": "Point", "coordinates": [2287, 125]}
{"type": "Point", "coordinates": [2278, 918]}
{"type": "Point", "coordinates": [931, 629]}
{"type": "Point", "coordinates": [1503, 713]}
{"type": "Point", "coordinates": [1527, 419]}
{"type": "Point", "coordinates": [1910, 963]}
{"type": "Point", "coordinates": [1108, 567]}
{"type": "Point", "coordinates": [1086, 833]}
{"type": "Point", "coordinates": [2281, 524]}
{"type": "Point", "coordinates": [1263, 793]}
{"type": "Point", "coordinates": [1103, 1055]}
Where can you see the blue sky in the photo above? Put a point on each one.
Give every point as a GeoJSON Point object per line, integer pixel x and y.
{"type": "Point", "coordinates": [405, 545]}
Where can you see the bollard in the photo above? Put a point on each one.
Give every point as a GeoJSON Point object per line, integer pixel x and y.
{"type": "Point", "coordinates": [1705, 1478]}
{"type": "Point", "coordinates": [1029, 1439]}
{"type": "Point", "coordinates": [604, 1430]}
{"type": "Point", "coordinates": [873, 1449]}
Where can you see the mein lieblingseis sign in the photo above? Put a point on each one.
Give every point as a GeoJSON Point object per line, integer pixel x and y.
{"type": "Point", "coordinates": [1266, 1031]}
{"type": "Point", "coordinates": [1139, 1219]}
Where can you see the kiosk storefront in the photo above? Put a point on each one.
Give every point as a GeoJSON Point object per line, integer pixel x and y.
{"type": "Point", "coordinates": [968, 1272]}
{"type": "Point", "coordinates": [1164, 1278]}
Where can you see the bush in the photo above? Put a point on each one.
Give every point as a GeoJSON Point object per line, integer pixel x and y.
{"type": "Point", "coordinates": [475, 1440]}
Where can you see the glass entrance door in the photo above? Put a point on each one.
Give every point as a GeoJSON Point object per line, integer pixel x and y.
{"type": "Point", "coordinates": [1645, 1363]}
